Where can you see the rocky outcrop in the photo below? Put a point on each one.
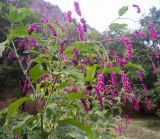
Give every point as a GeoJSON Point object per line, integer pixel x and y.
{"type": "Point", "coordinates": [47, 10]}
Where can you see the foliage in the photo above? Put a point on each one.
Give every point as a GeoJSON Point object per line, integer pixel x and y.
{"type": "Point", "coordinates": [73, 83]}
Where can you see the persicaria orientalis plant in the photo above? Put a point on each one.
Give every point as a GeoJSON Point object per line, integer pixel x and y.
{"type": "Point", "coordinates": [71, 79]}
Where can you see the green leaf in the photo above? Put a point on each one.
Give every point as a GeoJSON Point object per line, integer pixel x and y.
{"type": "Point", "coordinates": [50, 110]}
{"type": "Point", "coordinates": [15, 15]}
{"type": "Point", "coordinates": [74, 73]}
{"type": "Point", "coordinates": [2, 48]}
{"type": "Point", "coordinates": [111, 70]}
{"type": "Point", "coordinates": [79, 125]}
{"type": "Point", "coordinates": [75, 96]}
{"type": "Point", "coordinates": [62, 85]}
{"type": "Point", "coordinates": [20, 31]}
{"type": "Point", "coordinates": [122, 10]}
{"type": "Point", "coordinates": [118, 27]}
{"type": "Point", "coordinates": [1, 5]}
{"type": "Point", "coordinates": [36, 72]}
{"type": "Point", "coordinates": [132, 65]}
{"type": "Point", "coordinates": [13, 107]}
{"type": "Point", "coordinates": [19, 127]}
{"type": "Point", "coordinates": [18, 14]}
{"type": "Point", "coordinates": [38, 60]}
{"type": "Point", "coordinates": [90, 73]}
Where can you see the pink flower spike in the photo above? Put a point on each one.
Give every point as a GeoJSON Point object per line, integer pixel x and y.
{"type": "Point", "coordinates": [136, 105]}
{"type": "Point", "coordinates": [77, 8]}
{"type": "Point", "coordinates": [155, 69]}
{"type": "Point", "coordinates": [148, 104]}
{"type": "Point", "coordinates": [69, 16]}
{"type": "Point", "coordinates": [153, 32]}
{"type": "Point", "coordinates": [100, 83]}
{"type": "Point", "coordinates": [126, 83]}
{"type": "Point", "coordinates": [140, 76]}
{"type": "Point", "coordinates": [138, 8]}
{"type": "Point", "coordinates": [145, 88]}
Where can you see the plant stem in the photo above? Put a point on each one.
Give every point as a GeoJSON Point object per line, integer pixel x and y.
{"type": "Point", "coordinates": [42, 123]}
{"type": "Point", "coordinates": [25, 74]}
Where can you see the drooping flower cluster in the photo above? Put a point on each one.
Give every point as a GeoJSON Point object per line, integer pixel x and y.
{"type": "Point", "coordinates": [52, 29]}
{"type": "Point", "coordinates": [128, 46]}
{"type": "Point", "coordinates": [33, 27]}
{"type": "Point", "coordinates": [77, 8]}
{"type": "Point", "coordinates": [10, 56]}
{"type": "Point", "coordinates": [140, 76]}
{"type": "Point", "coordinates": [139, 35]}
{"type": "Point", "coordinates": [100, 83]}
{"type": "Point", "coordinates": [148, 103]}
{"type": "Point", "coordinates": [98, 95]}
{"type": "Point", "coordinates": [87, 61]}
{"type": "Point", "coordinates": [44, 20]}
{"type": "Point", "coordinates": [114, 80]}
{"type": "Point", "coordinates": [155, 69]}
{"type": "Point", "coordinates": [156, 54]}
{"type": "Point", "coordinates": [26, 86]}
{"type": "Point", "coordinates": [23, 45]}
{"type": "Point", "coordinates": [126, 83]}
{"type": "Point", "coordinates": [50, 26]}
{"type": "Point", "coordinates": [153, 32]}
{"type": "Point", "coordinates": [83, 101]}
{"type": "Point", "coordinates": [62, 44]}
{"type": "Point", "coordinates": [16, 137]}
{"type": "Point", "coordinates": [121, 62]}
{"type": "Point", "coordinates": [80, 32]}
{"type": "Point", "coordinates": [138, 8]}
{"type": "Point", "coordinates": [145, 88]}
{"type": "Point", "coordinates": [69, 16]}
{"type": "Point", "coordinates": [76, 53]}
{"type": "Point", "coordinates": [136, 105]}
{"type": "Point", "coordinates": [33, 42]}
{"type": "Point", "coordinates": [83, 21]}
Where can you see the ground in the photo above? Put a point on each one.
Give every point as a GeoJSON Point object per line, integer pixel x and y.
{"type": "Point", "coordinates": [142, 128]}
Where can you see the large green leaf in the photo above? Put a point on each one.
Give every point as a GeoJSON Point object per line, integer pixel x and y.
{"type": "Point", "coordinates": [18, 14]}
{"type": "Point", "coordinates": [90, 73]}
{"type": "Point", "coordinates": [132, 65]}
{"type": "Point", "coordinates": [36, 72]}
{"type": "Point", "coordinates": [13, 107]}
{"type": "Point", "coordinates": [15, 15]}
{"type": "Point", "coordinates": [20, 31]}
{"type": "Point", "coordinates": [79, 125]}
{"type": "Point", "coordinates": [118, 27]}
{"type": "Point", "coordinates": [122, 10]}
{"type": "Point", "coordinates": [75, 96]}
{"type": "Point", "coordinates": [20, 125]}
{"type": "Point", "coordinates": [74, 73]}
{"type": "Point", "coordinates": [50, 110]}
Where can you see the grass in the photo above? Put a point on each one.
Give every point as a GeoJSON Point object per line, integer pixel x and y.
{"type": "Point", "coordinates": [141, 128]}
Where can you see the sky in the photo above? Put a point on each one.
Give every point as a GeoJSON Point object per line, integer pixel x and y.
{"type": "Point", "coordinates": [100, 13]}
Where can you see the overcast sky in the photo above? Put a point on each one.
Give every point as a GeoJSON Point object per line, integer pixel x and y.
{"type": "Point", "coordinates": [100, 13]}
